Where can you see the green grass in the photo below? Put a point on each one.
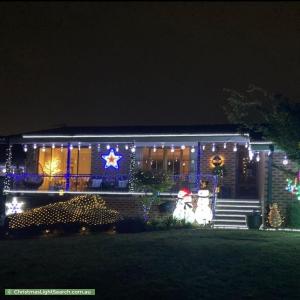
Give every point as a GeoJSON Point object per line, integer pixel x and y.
{"type": "Point", "coordinates": [177, 264]}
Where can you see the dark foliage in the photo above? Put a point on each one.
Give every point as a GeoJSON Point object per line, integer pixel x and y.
{"type": "Point", "coordinates": [131, 225]}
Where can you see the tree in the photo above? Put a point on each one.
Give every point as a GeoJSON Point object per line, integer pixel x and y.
{"type": "Point", "coordinates": [153, 182]}
{"type": "Point", "coordinates": [273, 116]}
{"type": "Point", "coordinates": [274, 217]}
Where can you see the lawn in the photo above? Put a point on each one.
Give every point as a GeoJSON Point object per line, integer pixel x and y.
{"type": "Point", "coordinates": [176, 264]}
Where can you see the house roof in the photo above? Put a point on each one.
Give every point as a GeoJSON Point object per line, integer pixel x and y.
{"type": "Point", "coordinates": [220, 128]}
{"type": "Point", "coordinates": [142, 134]}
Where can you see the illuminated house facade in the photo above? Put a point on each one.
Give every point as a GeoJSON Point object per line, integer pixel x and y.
{"type": "Point", "coordinates": [68, 161]}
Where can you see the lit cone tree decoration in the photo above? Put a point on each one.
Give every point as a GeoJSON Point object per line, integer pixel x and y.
{"type": "Point", "coordinates": [83, 209]}
{"type": "Point", "coordinates": [274, 217]}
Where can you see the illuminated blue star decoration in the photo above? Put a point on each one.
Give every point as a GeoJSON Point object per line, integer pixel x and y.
{"type": "Point", "coordinates": [111, 159]}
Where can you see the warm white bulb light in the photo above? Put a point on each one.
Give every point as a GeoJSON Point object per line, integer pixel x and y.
{"type": "Point", "coordinates": [257, 157]}
{"type": "Point", "coordinates": [285, 160]}
{"type": "Point", "coordinates": [251, 154]}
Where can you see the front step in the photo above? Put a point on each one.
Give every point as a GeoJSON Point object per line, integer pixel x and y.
{"type": "Point", "coordinates": [231, 213]}
{"type": "Point", "coordinates": [230, 226]}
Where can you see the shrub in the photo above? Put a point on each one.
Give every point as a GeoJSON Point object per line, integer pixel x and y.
{"type": "Point", "coordinates": [167, 223]}
{"type": "Point", "coordinates": [130, 225]}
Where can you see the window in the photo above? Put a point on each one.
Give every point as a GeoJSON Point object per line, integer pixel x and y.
{"type": "Point", "coordinates": [177, 162]}
{"type": "Point", "coordinates": [80, 161]}
{"type": "Point", "coordinates": [52, 162]}
{"type": "Point", "coordinates": [53, 166]}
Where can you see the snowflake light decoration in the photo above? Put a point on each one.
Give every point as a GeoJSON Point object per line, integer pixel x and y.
{"type": "Point", "coordinates": [13, 207]}
{"type": "Point", "coordinates": [111, 159]}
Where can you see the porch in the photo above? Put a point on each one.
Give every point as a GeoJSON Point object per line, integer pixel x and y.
{"type": "Point", "coordinates": [99, 183]}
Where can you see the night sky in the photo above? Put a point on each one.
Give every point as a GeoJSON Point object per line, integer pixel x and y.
{"type": "Point", "coordinates": [95, 64]}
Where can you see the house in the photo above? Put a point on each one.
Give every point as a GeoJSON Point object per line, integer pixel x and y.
{"type": "Point", "coordinates": [236, 168]}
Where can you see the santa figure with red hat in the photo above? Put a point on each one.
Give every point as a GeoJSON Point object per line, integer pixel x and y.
{"type": "Point", "coordinates": [184, 207]}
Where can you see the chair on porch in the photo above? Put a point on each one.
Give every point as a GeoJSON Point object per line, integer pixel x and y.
{"type": "Point", "coordinates": [96, 183]}
{"type": "Point", "coordinates": [122, 184]}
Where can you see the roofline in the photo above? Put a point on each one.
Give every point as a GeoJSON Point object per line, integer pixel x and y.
{"type": "Point", "coordinates": [75, 136]}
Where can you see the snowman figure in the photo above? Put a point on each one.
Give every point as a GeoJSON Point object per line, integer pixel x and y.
{"type": "Point", "coordinates": [184, 207]}
{"type": "Point", "coordinates": [203, 213]}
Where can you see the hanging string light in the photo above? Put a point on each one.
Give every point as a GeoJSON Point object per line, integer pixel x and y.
{"type": "Point", "coordinates": [162, 146]}
{"type": "Point", "coordinates": [251, 154]}
{"type": "Point", "coordinates": [61, 147]}
{"type": "Point", "coordinates": [79, 146]}
{"type": "Point", "coordinates": [117, 148]}
{"type": "Point", "coordinates": [235, 147]}
{"type": "Point", "coordinates": [133, 149]}
{"type": "Point", "coordinates": [90, 146]}
{"type": "Point", "coordinates": [172, 148]}
{"type": "Point", "coordinates": [213, 148]}
{"type": "Point", "coordinates": [34, 146]}
{"type": "Point", "coordinates": [257, 157]}
{"type": "Point", "coordinates": [98, 147]}
{"type": "Point", "coordinates": [203, 147]}
{"type": "Point", "coordinates": [126, 147]}
{"type": "Point", "coordinates": [193, 149]}
{"type": "Point", "coordinates": [25, 148]}
{"type": "Point", "coordinates": [108, 146]}
{"type": "Point", "coordinates": [53, 146]}
{"type": "Point", "coordinates": [225, 145]}
{"type": "Point", "coordinates": [154, 148]}
{"type": "Point", "coordinates": [71, 147]}
{"type": "Point", "coordinates": [285, 160]}
{"type": "Point", "coordinates": [182, 147]}
{"type": "Point", "coordinates": [43, 148]}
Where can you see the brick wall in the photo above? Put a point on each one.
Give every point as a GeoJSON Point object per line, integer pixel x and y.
{"type": "Point", "coordinates": [230, 161]}
{"type": "Point", "coordinates": [279, 194]}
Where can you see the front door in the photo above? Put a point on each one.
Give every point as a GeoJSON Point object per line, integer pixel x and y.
{"type": "Point", "coordinates": [246, 185]}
